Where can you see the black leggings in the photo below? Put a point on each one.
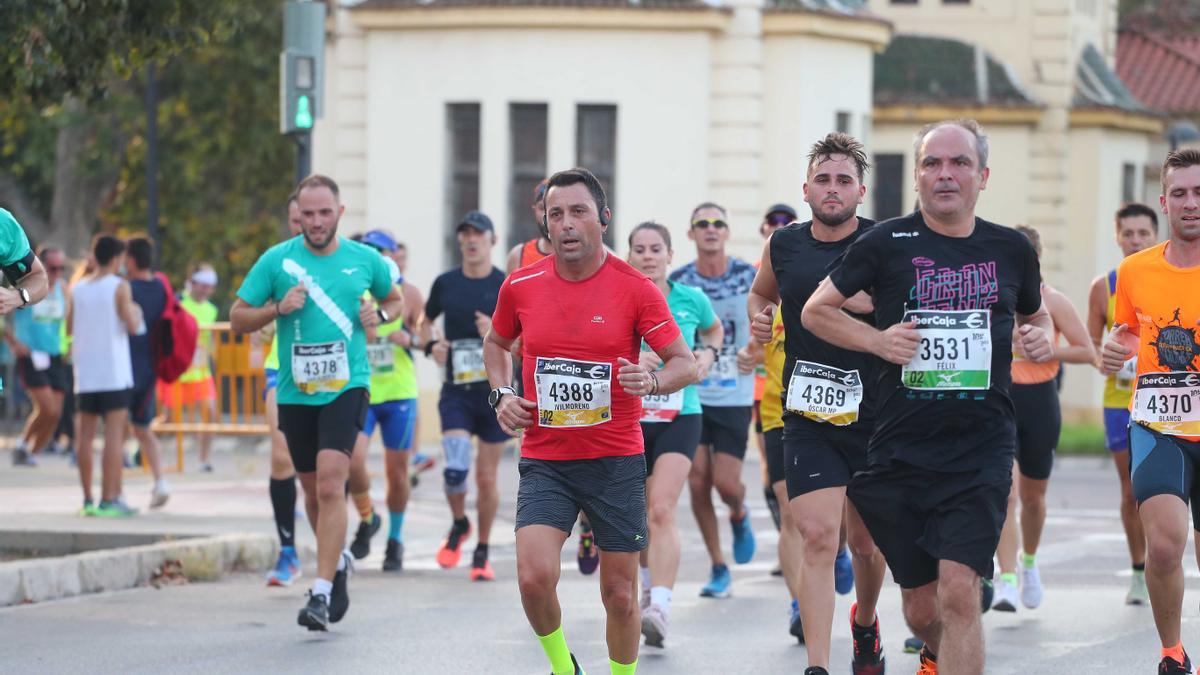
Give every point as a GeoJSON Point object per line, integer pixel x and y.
{"type": "Point", "coordinates": [1039, 423]}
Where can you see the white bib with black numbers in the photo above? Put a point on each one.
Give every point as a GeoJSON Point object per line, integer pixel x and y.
{"type": "Point", "coordinates": [1168, 403]}
{"type": "Point", "coordinates": [572, 394]}
{"type": "Point", "coordinates": [320, 367]}
{"type": "Point", "coordinates": [381, 354]}
{"type": "Point", "coordinates": [661, 407]}
{"type": "Point", "coordinates": [824, 393]}
{"type": "Point", "coordinates": [1126, 375]}
{"type": "Point", "coordinates": [955, 351]}
{"type": "Point", "coordinates": [466, 361]}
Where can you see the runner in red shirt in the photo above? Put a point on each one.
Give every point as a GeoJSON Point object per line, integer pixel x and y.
{"type": "Point", "coordinates": [581, 314]}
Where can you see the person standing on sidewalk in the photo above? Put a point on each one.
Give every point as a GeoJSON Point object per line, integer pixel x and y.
{"type": "Point", "coordinates": [33, 336]}
{"type": "Point", "coordinates": [151, 296]}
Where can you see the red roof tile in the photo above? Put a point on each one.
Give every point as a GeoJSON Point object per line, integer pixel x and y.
{"type": "Point", "coordinates": [1163, 72]}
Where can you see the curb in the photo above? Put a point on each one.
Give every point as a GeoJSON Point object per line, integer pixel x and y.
{"type": "Point", "coordinates": [200, 559]}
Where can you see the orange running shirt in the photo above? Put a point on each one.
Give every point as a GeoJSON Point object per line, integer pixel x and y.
{"type": "Point", "coordinates": [530, 253]}
{"type": "Point", "coordinates": [1161, 304]}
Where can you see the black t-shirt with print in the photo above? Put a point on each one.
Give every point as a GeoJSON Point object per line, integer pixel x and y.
{"type": "Point", "coordinates": [906, 266]}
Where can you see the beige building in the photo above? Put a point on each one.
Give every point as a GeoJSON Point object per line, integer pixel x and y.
{"type": "Point", "coordinates": [1069, 143]}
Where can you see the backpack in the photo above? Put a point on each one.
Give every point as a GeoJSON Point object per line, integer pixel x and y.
{"type": "Point", "coordinates": [174, 337]}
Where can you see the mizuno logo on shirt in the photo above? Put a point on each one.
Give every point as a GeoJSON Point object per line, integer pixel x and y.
{"type": "Point", "coordinates": [898, 235]}
{"type": "Point", "coordinates": [349, 271]}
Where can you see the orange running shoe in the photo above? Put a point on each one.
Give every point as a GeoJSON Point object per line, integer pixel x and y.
{"type": "Point", "coordinates": [928, 663]}
{"type": "Point", "coordinates": [481, 567]}
{"type": "Point", "coordinates": [450, 552]}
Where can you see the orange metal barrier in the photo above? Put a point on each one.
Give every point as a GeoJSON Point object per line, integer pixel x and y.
{"type": "Point", "coordinates": [238, 376]}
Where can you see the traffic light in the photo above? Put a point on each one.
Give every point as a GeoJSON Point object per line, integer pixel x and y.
{"type": "Point", "coordinates": [297, 106]}
{"type": "Point", "coordinates": [301, 66]}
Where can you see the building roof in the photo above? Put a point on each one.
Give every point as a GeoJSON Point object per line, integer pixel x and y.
{"type": "Point", "coordinates": [1097, 86]}
{"type": "Point", "coordinates": [1163, 72]}
{"type": "Point", "coordinates": [845, 7]}
{"type": "Point", "coordinates": [919, 69]}
{"type": "Point", "coordinates": [630, 4]}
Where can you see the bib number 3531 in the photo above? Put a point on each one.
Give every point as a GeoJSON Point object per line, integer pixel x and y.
{"type": "Point", "coordinates": [955, 351]}
{"type": "Point", "coordinates": [572, 394]}
{"type": "Point", "coordinates": [1169, 403]}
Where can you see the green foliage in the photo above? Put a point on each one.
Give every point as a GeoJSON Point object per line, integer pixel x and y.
{"type": "Point", "coordinates": [1082, 439]}
{"type": "Point", "coordinates": [55, 48]}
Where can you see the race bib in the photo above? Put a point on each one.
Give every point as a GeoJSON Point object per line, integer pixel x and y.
{"type": "Point", "coordinates": [572, 394]}
{"type": "Point", "coordinates": [49, 310]}
{"type": "Point", "coordinates": [381, 354]}
{"type": "Point", "coordinates": [661, 407]}
{"type": "Point", "coordinates": [1126, 375]}
{"type": "Point", "coordinates": [724, 372]}
{"type": "Point", "coordinates": [955, 350]}
{"type": "Point", "coordinates": [40, 360]}
{"type": "Point", "coordinates": [320, 367]}
{"type": "Point", "coordinates": [824, 393]}
{"type": "Point", "coordinates": [466, 361]}
{"type": "Point", "coordinates": [1168, 403]}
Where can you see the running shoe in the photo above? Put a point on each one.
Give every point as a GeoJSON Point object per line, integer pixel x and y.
{"type": "Point", "coordinates": [743, 539]}
{"type": "Point", "coordinates": [206, 467]}
{"type": "Point", "coordinates": [588, 556]}
{"type": "Point", "coordinates": [361, 547]}
{"type": "Point", "coordinates": [21, 457]}
{"type": "Point", "coordinates": [986, 593]}
{"type": "Point", "coordinates": [339, 597]}
{"type": "Point", "coordinates": [287, 568]}
{"type": "Point", "coordinates": [578, 668]}
{"type": "Point", "coordinates": [654, 626]}
{"type": "Point", "coordinates": [795, 625]}
{"type": "Point", "coordinates": [815, 670]}
{"type": "Point", "coordinates": [1005, 599]}
{"type": "Point", "coordinates": [393, 556]}
{"type": "Point", "coordinates": [913, 645]}
{"type": "Point", "coordinates": [868, 650]}
{"type": "Point", "coordinates": [1169, 666]}
{"type": "Point", "coordinates": [420, 464]}
{"type": "Point", "coordinates": [843, 572]}
{"type": "Point", "coordinates": [928, 665]}
{"type": "Point", "coordinates": [481, 567]}
{"type": "Point", "coordinates": [315, 614]}
{"type": "Point", "coordinates": [777, 571]}
{"type": "Point", "coordinates": [718, 584]}
{"type": "Point", "coordinates": [160, 494]}
{"type": "Point", "coordinates": [89, 508]}
{"type": "Point", "coordinates": [115, 508]}
{"type": "Point", "coordinates": [450, 552]}
{"type": "Point", "coordinates": [1031, 587]}
{"type": "Point", "coordinates": [1137, 594]}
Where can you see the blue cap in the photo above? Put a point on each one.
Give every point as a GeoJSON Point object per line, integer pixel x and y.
{"type": "Point", "coordinates": [380, 240]}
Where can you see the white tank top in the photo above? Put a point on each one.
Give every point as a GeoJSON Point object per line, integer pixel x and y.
{"type": "Point", "coordinates": [100, 344]}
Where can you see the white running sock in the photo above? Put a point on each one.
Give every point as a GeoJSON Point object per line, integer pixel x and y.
{"type": "Point", "coordinates": [661, 596]}
{"type": "Point", "coordinates": [342, 562]}
{"type": "Point", "coordinates": [644, 573]}
{"type": "Point", "coordinates": [322, 587]}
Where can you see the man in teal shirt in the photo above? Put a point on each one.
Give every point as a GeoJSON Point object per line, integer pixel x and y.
{"type": "Point", "coordinates": [27, 283]}
{"type": "Point", "coordinates": [312, 287]}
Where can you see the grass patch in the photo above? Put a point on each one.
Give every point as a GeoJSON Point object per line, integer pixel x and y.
{"type": "Point", "coordinates": [1082, 439]}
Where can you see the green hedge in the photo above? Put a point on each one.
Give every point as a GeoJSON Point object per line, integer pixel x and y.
{"type": "Point", "coordinates": [1082, 439]}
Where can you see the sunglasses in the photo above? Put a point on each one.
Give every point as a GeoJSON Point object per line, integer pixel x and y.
{"type": "Point", "coordinates": [54, 268]}
{"type": "Point", "coordinates": [779, 219]}
{"type": "Point", "coordinates": [709, 222]}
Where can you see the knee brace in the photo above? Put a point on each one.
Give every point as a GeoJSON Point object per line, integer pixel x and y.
{"type": "Point", "coordinates": [457, 450]}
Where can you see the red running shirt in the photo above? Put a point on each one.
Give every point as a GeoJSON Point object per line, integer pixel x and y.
{"type": "Point", "coordinates": [576, 327]}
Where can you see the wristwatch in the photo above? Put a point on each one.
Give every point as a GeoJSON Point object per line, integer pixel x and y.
{"type": "Point", "coordinates": [498, 393]}
{"type": "Point", "coordinates": [24, 296]}
{"type": "Point", "coordinates": [716, 352]}
{"type": "Point", "coordinates": [383, 315]}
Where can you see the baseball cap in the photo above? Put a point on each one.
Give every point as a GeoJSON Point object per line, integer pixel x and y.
{"type": "Point", "coordinates": [380, 240]}
{"type": "Point", "coordinates": [781, 208]}
{"type": "Point", "coordinates": [477, 220]}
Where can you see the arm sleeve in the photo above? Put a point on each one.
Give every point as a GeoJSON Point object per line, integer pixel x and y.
{"type": "Point", "coordinates": [654, 321]}
{"type": "Point", "coordinates": [1029, 297]}
{"type": "Point", "coordinates": [1123, 311]}
{"type": "Point", "coordinates": [433, 304]}
{"type": "Point", "coordinates": [859, 265]}
{"type": "Point", "coordinates": [256, 287]}
{"type": "Point", "coordinates": [505, 321]}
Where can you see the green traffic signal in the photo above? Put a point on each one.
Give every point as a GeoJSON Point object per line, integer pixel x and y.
{"type": "Point", "coordinates": [303, 119]}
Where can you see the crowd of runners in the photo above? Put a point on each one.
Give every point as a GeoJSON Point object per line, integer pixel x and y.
{"type": "Point", "coordinates": [901, 379]}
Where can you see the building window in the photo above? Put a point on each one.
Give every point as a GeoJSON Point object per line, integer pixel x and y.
{"type": "Point", "coordinates": [1128, 182]}
{"type": "Point", "coordinates": [843, 122]}
{"type": "Point", "coordinates": [888, 190]}
{"type": "Point", "coordinates": [904, 2]}
{"type": "Point", "coordinates": [956, 2]}
{"type": "Point", "coordinates": [462, 186]}
{"type": "Point", "coordinates": [596, 150]}
{"type": "Point", "coordinates": [527, 136]}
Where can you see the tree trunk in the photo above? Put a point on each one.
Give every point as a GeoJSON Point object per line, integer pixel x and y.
{"type": "Point", "coordinates": [80, 190]}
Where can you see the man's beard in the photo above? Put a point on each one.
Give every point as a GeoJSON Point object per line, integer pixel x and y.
{"type": "Point", "coordinates": [837, 218]}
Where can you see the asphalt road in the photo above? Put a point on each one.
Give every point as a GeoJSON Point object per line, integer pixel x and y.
{"type": "Point", "coordinates": [429, 620]}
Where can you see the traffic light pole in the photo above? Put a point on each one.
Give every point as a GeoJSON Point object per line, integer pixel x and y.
{"type": "Point", "coordinates": [303, 141]}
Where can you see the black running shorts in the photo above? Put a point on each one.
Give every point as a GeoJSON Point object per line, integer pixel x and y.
{"type": "Point", "coordinates": [611, 492]}
{"type": "Point", "coordinates": [681, 435]}
{"type": "Point", "coordinates": [1039, 422]}
{"type": "Point", "coordinates": [919, 517]}
{"type": "Point", "coordinates": [819, 455]}
{"type": "Point", "coordinates": [773, 449]}
{"type": "Point", "coordinates": [54, 376]}
{"type": "Point", "coordinates": [333, 426]}
{"type": "Point", "coordinates": [726, 429]}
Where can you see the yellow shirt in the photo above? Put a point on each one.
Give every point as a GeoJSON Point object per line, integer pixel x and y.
{"type": "Point", "coordinates": [774, 358]}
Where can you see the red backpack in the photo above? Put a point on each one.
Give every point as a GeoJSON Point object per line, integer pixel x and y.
{"type": "Point", "coordinates": [174, 337]}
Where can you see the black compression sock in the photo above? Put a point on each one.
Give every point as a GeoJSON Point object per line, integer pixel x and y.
{"type": "Point", "coordinates": [283, 502]}
{"type": "Point", "coordinates": [1139, 567]}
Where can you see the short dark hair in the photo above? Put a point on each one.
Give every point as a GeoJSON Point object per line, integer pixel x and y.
{"type": "Point", "coordinates": [294, 197]}
{"type": "Point", "coordinates": [400, 246]}
{"type": "Point", "coordinates": [1179, 159]}
{"type": "Point", "coordinates": [141, 250]}
{"type": "Point", "coordinates": [838, 143]}
{"type": "Point", "coordinates": [315, 181]}
{"type": "Point", "coordinates": [579, 175]}
{"type": "Point", "coordinates": [46, 249]}
{"type": "Point", "coordinates": [1133, 209]}
{"type": "Point", "coordinates": [105, 247]}
{"type": "Point", "coordinates": [708, 205]}
{"type": "Point", "coordinates": [651, 225]}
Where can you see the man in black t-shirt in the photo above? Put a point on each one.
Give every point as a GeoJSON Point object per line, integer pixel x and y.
{"type": "Point", "coordinates": [151, 296]}
{"type": "Point", "coordinates": [947, 288]}
{"type": "Point", "coordinates": [828, 413]}
{"type": "Point", "coordinates": [467, 297]}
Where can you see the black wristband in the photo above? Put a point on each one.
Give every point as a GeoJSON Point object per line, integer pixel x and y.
{"type": "Point", "coordinates": [428, 348]}
{"type": "Point", "coordinates": [716, 352]}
